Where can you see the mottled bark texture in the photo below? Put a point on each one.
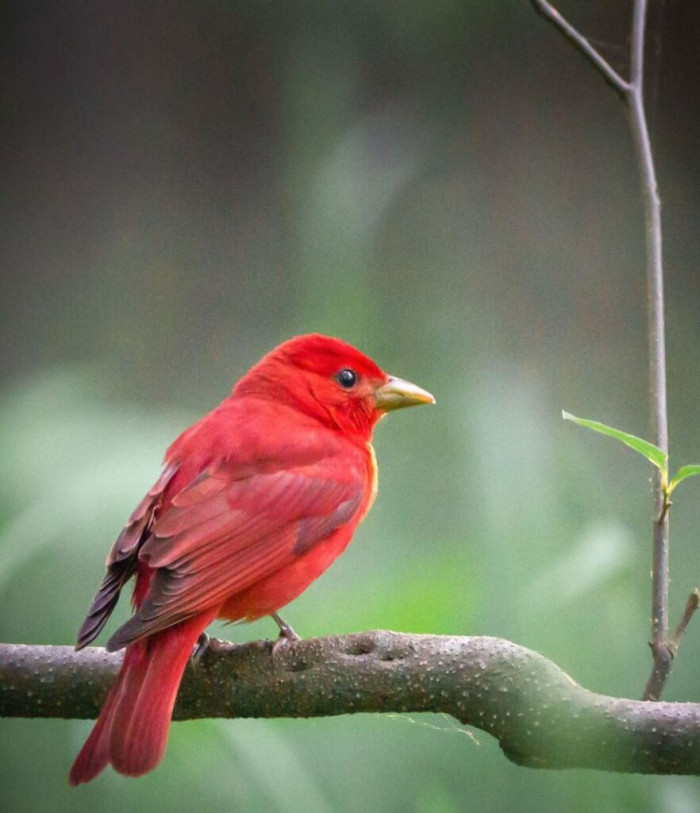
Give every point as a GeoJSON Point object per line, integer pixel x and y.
{"type": "Point", "coordinates": [540, 716]}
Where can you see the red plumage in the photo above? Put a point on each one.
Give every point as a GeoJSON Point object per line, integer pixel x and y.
{"type": "Point", "coordinates": [255, 501]}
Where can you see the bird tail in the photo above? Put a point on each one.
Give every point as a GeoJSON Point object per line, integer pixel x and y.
{"type": "Point", "coordinates": [131, 732]}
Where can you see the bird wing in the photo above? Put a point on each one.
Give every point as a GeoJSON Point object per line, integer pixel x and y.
{"type": "Point", "coordinates": [226, 532]}
{"type": "Point", "coordinates": [122, 559]}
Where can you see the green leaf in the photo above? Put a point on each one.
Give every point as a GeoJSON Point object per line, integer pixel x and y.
{"type": "Point", "coordinates": [652, 453]}
{"type": "Point", "coordinates": [682, 473]}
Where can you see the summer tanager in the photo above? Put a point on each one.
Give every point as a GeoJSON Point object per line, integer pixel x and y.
{"type": "Point", "coordinates": [255, 501]}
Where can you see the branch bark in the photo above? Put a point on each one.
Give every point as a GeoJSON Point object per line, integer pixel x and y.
{"type": "Point", "coordinates": [540, 716]}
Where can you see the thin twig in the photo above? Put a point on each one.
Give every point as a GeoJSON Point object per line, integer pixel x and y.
{"type": "Point", "coordinates": [662, 647]}
{"type": "Point", "coordinates": [664, 661]}
{"type": "Point", "coordinates": [690, 607]}
{"type": "Point", "coordinates": [609, 74]}
{"type": "Point", "coordinates": [632, 94]}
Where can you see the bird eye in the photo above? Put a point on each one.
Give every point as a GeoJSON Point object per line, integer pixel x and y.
{"type": "Point", "coordinates": [347, 378]}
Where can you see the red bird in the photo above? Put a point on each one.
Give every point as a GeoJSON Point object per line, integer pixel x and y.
{"type": "Point", "coordinates": [255, 501]}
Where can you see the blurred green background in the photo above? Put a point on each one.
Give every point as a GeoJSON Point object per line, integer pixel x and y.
{"type": "Point", "coordinates": [447, 185]}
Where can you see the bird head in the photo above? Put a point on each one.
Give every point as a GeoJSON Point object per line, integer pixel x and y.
{"type": "Point", "coordinates": [331, 381]}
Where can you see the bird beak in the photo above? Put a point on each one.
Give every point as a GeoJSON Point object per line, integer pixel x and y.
{"type": "Point", "coordinates": [397, 393]}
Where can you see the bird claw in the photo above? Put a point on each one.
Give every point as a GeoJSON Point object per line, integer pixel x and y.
{"type": "Point", "coordinates": [286, 636]}
{"type": "Point", "coordinates": [200, 648]}
{"type": "Point", "coordinates": [286, 631]}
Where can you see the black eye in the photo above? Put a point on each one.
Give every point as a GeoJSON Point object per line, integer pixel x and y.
{"type": "Point", "coordinates": [347, 378]}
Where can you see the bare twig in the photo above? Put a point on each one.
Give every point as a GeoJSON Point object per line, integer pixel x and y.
{"type": "Point", "coordinates": [540, 716]}
{"type": "Point", "coordinates": [664, 659]}
{"type": "Point", "coordinates": [690, 607]}
{"type": "Point", "coordinates": [611, 76]}
{"type": "Point", "coordinates": [632, 93]}
{"type": "Point", "coordinates": [662, 647]}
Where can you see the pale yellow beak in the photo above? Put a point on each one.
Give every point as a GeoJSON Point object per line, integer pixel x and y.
{"type": "Point", "coordinates": [397, 393]}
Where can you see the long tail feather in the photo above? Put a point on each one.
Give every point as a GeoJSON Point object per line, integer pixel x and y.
{"type": "Point", "coordinates": [94, 755]}
{"type": "Point", "coordinates": [131, 732]}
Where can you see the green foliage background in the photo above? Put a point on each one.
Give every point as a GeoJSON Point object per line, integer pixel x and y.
{"type": "Point", "coordinates": [446, 185]}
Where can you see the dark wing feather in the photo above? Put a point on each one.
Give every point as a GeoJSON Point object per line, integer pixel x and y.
{"type": "Point", "coordinates": [221, 535]}
{"type": "Point", "coordinates": [122, 559]}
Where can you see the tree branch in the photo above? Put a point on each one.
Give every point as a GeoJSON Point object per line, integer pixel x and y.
{"type": "Point", "coordinates": [663, 647]}
{"type": "Point", "coordinates": [539, 715]}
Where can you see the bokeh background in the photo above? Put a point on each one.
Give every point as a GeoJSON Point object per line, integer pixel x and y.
{"type": "Point", "coordinates": [447, 185]}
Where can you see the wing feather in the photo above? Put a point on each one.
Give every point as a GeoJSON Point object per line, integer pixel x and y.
{"type": "Point", "coordinates": [223, 534]}
{"type": "Point", "coordinates": [122, 559]}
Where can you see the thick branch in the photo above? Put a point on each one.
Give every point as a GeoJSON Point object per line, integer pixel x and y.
{"type": "Point", "coordinates": [539, 715]}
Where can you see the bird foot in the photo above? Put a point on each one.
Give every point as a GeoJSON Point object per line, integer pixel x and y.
{"type": "Point", "coordinates": [200, 648]}
{"type": "Point", "coordinates": [286, 636]}
{"type": "Point", "coordinates": [286, 631]}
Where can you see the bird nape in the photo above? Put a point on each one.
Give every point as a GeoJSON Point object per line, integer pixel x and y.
{"type": "Point", "coordinates": [255, 501]}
